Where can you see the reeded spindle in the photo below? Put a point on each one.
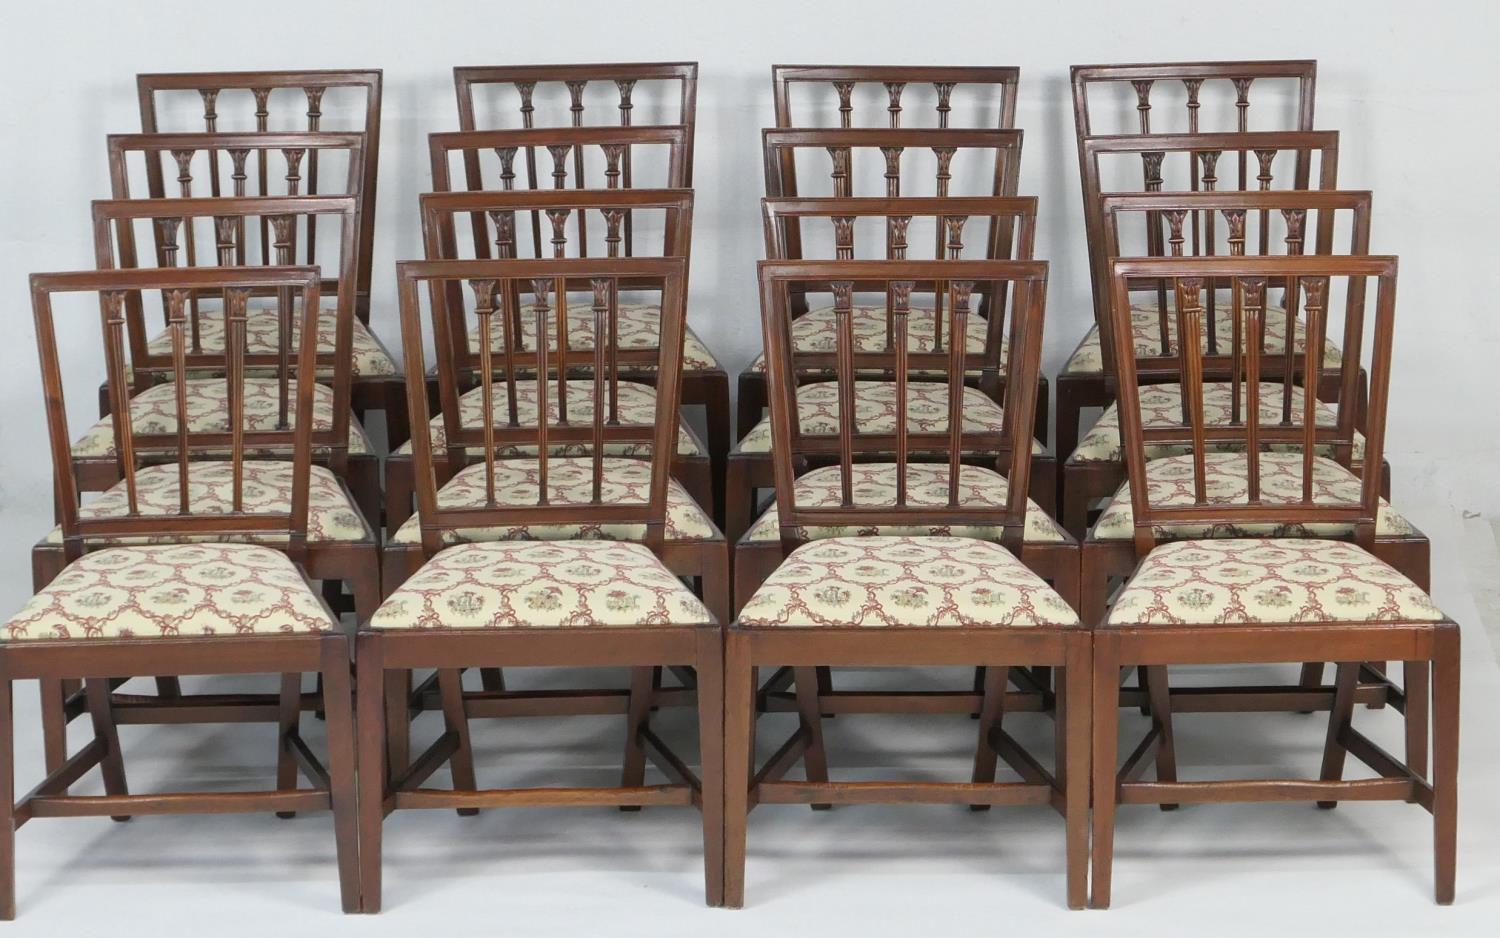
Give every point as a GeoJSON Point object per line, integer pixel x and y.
{"type": "Point", "coordinates": [893, 91]}
{"type": "Point", "coordinates": [957, 341]}
{"type": "Point", "coordinates": [1143, 104]}
{"type": "Point", "coordinates": [528, 116]}
{"type": "Point", "coordinates": [314, 123]}
{"type": "Point", "coordinates": [627, 86]}
{"type": "Point", "coordinates": [1190, 357]}
{"type": "Point", "coordinates": [899, 314]}
{"type": "Point", "coordinates": [235, 302]}
{"type": "Point", "coordinates": [845, 91]}
{"type": "Point", "coordinates": [176, 327]}
{"type": "Point", "coordinates": [112, 316]}
{"type": "Point", "coordinates": [1252, 298]}
{"type": "Point", "coordinates": [843, 237]}
{"type": "Point", "coordinates": [601, 287]}
{"type": "Point", "coordinates": [896, 226]}
{"type": "Point", "coordinates": [944, 99]}
{"type": "Point", "coordinates": [559, 219]}
{"type": "Point", "coordinates": [484, 309]}
{"type": "Point", "coordinates": [541, 287]}
{"type": "Point", "coordinates": [293, 169]}
{"type": "Point", "coordinates": [559, 164]}
{"type": "Point", "coordinates": [284, 228]}
{"type": "Point", "coordinates": [892, 170]}
{"type": "Point", "coordinates": [843, 296]}
{"type": "Point", "coordinates": [1317, 304]}
{"type": "Point", "coordinates": [842, 185]}
{"type": "Point", "coordinates": [613, 217]}
{"type": "Point", "coordinates": [211, 125]}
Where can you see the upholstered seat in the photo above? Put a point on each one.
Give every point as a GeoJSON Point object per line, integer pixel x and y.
{"type": "Point", "coordinates": [637, 405]}
{"type": "Point", "coordinates": [263, 329]}
{"type": "Point", "coordinates": [875, 411]}
{"type": "Point", "coordinates": [638, 326]}
{"type": "Point", "coordinates": [154, 411]}
{"type": "Point", "coordinates": [331, 516]}
{"type": "Point", "coordinates": [904, 581]}
{"type": "Point", "coordinates": [817, 331]}
{"type": "Point", "coordinates": [1226, 483]}
{"type": "Point", "coordinates": [926, 485]}
{"type": "Point", "coordinates": [1088, 358]}
{"type": "Point", "coordinates": [530, 584]}
{"type": "Point", "coordinates": [569, 482]}
{"type": "Point", "coordinates": [172, 591]}
{"type": "Point", "coordinates": [1267, 580]}
{"type": "Point", "coordinates": [1161, 406]}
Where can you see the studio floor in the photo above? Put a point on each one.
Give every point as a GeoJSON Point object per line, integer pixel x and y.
{"type": "Point", "coordinates": [1201, 871]}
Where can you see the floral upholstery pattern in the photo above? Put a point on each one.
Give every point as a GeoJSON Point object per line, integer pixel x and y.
{"type": "Point", "coordinates": [263, 329]}
{"type": "Point", "coordinates": [1088, 358]}
{"type": "Point", "coordinates": [637, 406]}
{"type": "Point", "coordinates": [1268, 580]}
{"type": "Point", "coordinates": [527, 584]}
{"type": "Point", "coordinates": [1161, 406]}
{"type": "Point", "coordinates": [154, 410]}
{"type": "Point", "coordinates": [817, 331]}
{"type": "Point", "coordinates": [639, 326]}
{"type": "Point", "coordinates": [904, 581]}
{"type": "Point", "coordinates": [569, 482]}
{"type": "Point", "coordinates": [331, 515]}
{"type": "Point", "coordinates": [172, 591]}
{"type": "Point", "coordinates": [1226, 475]}
{"type": "Point", "coordinates": [926, 484]}
{"type": "Point", "coordinates": [875, 411]}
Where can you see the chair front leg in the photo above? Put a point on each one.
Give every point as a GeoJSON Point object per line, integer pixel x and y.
{"type": "Point", "coordinates": [289, 715]}
{"type": "Point", "coordinates": [7, 800]}
{"type": "Point", "coordinates": [710, 684]}
{"type": "Point", "coordinates": [1075, 716]}
{"type": "Point", "coordinates": [1106, 747]}
{"type": "Point", "coordinates": [338, 703]}
{"type": "Point", "coordinates": [739, 761]}
{"type": "Point", "coordinates": [1445, 678]}
{"type": "Point", "coordinates": [373, 776]}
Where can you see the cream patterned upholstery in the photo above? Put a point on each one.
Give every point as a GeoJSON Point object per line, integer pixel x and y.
{"type": "Point", "coordinates": [1267, 580]}
{"type": "Point", "coordinates": [1088, 358]}
{"type": "Point", "coordinates": [637, 406]}
{"type": "Point", "coordinates": [1171, 485]}
{"type": "Point", "coordinates": [263, 328]}
{"type": "Point", "coordinates": [817, 331]}
{"type": "Point", "coordinates": [1161, 406]}
{"type": "Point", "coordinates": [331, 516]}
{"type": "Point", "coordinates": [569, 482]}
{"type": "Point", "coordinates": [875, 411]}
{"type": "Point", "coordinates": [639, 326]}
{"type": "Point", "coordinates": [872, 582]}
{"type": "Point", "coordinates": [526, 584]}
{"type": "Point", "coordinates": [926, 484]}
{"type": "Point", "coordinates": [154, 410]}
{"type": "Point", "coordinates": [172, 591]}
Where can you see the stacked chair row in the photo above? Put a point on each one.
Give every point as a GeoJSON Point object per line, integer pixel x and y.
{"type": "Point", "coordinates": [548, 502]}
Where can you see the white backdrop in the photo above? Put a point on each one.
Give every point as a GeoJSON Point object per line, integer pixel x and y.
{"type": "Point", "coordinates": [1408, 87]}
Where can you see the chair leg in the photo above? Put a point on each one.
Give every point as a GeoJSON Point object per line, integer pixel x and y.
{"type": "Point", "coordinates": [991, 711]}
{"type": "Point", "coordinates": [1105, 745]}
{"type": "Point", "coordinates": [643, 684]}
{"type": "Point", "coordinates": [492, 679]}
{"type": "Point", "coordinates": [54, 723]}
{"type": "Point", "coordinates": [1415, 676]}
{"type": "Point", "coordinates": [456, 720]}
{"type": "Point", "coordinates": [1159, 693]}
{"type": "Point", "coordinates": [289, 714]}
{"type": "Point", "coordinates": [397, 720]}
{"type": "Point", "coordinates": [815, 759]}
{"type": "Point", "coordinates": [1075, 716]}
{"type": "Point", "coordinates": [1445, 761]}
{"type": "Point", "coordinates": [1346, 680]}
{"type": "Point", "coordinates": [373, 775]}
{"type": "Point", "coordinates": [739, 761]}
{"type": "Point", "coordinates": [338, 704]}
{"type": "Point", "coordinates": [717, 418]}
{"type": "Point", "coordinates": [112, 766]}
{"type": "Point", "coordinates": [7, 804]}
{"type": "Point", "coordinates": [710, 684]}
{"type": "Point", "coordinates": [1311, 678]}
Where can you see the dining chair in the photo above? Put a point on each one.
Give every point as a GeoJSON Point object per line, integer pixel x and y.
{"type": "Point", "coordinates": [199, 570]}
{"type": "Point", "coordinates": [1296, 572]}
{"type": "Point", "coordinates": [498, 577]}
{"type": "Point", "coordinates": [949, 580]}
